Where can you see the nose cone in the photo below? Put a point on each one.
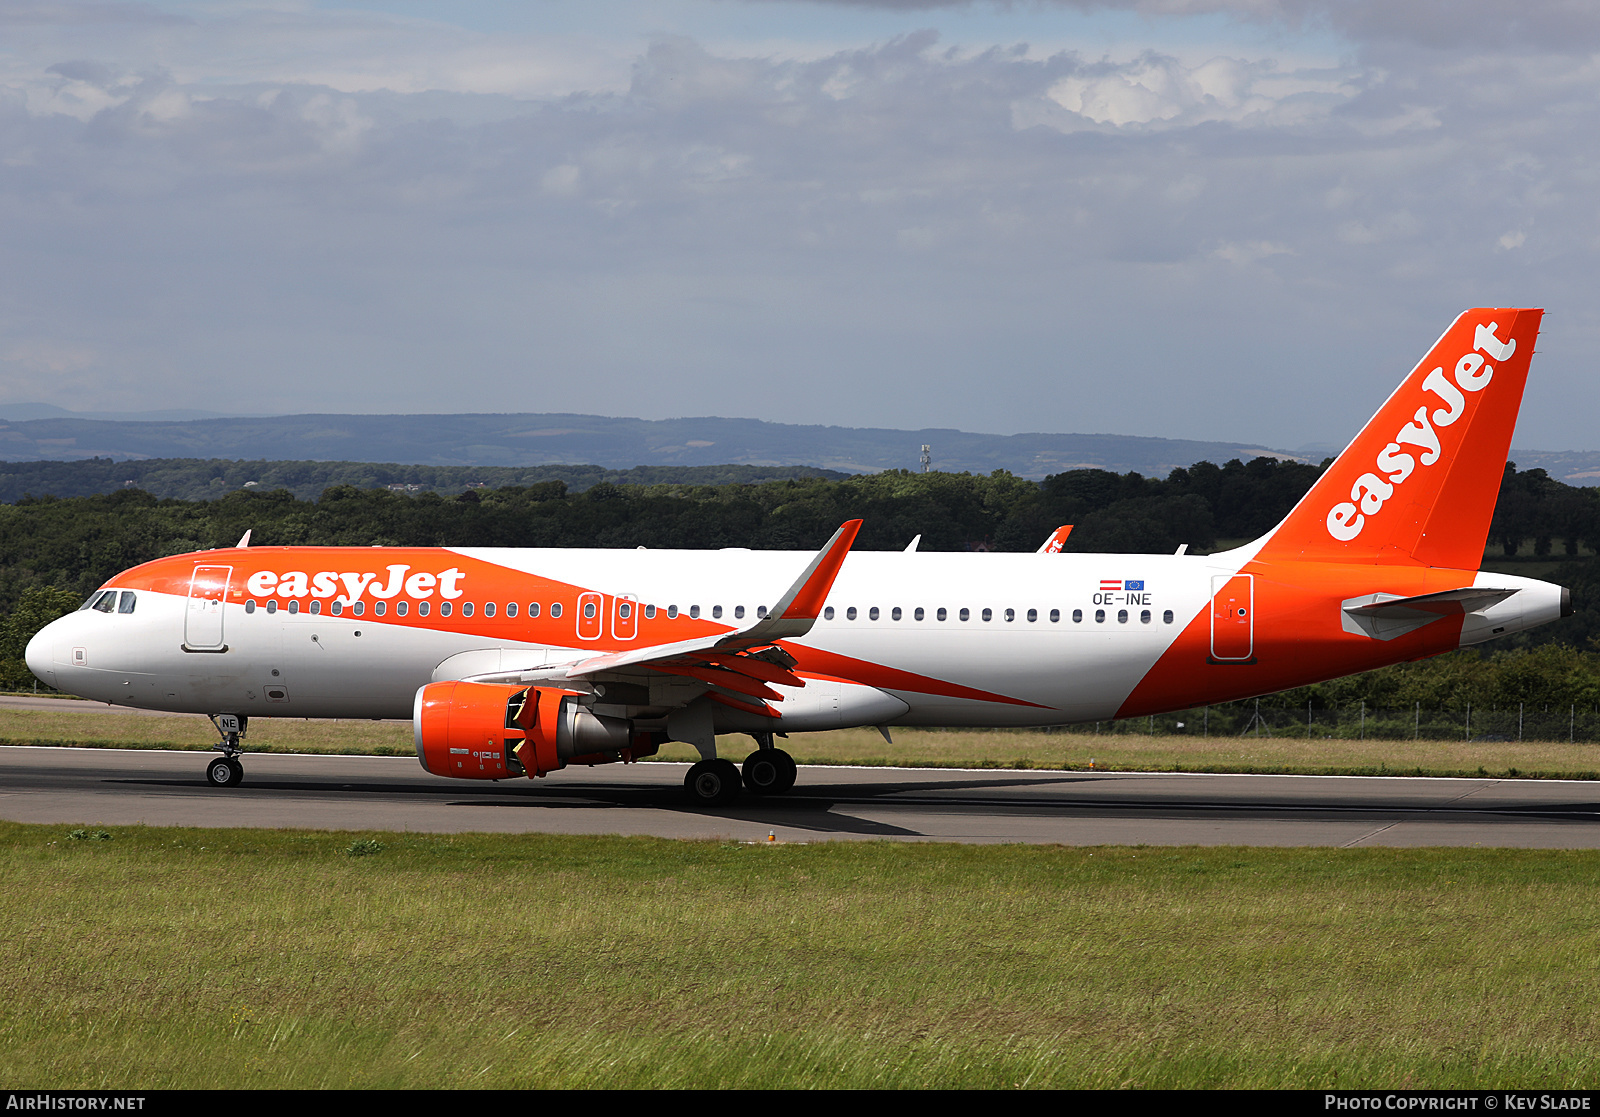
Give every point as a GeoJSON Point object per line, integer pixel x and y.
{"type": "Point", "coordinates": [40, 655]}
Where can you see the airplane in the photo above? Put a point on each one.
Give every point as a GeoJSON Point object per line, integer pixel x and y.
{"type": "Point", "coordinates": [520, 662]}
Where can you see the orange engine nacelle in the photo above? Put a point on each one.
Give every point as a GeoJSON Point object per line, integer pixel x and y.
{"type": "Point", "coordinates": [484, 731]}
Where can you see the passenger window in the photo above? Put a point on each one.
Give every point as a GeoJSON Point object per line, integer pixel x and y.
{"type": "Point", "coordinates": [716, 612]}
{"type": "Point", "coordinates": [488, 608]}
{"type": "Point", "coordinates": [359, 608]}
{"type": "Point", "coordinates": [272, 606]}
{"type": "Point", "coordinates": [294, 606]}
{"type": "Point", "coordinates": [1144, 617]}
{"type": "Point", "coordinates": [445, 608]}
{"type": "Point", "coordinates": [918, 614]}
{"type": "Point", "coordinates": [467, 609]}
{"type": "Point", "coordinates": [1166, 618]}
{"type": "Point", "coordinates": [694, 612]}
{"type": "Point", "coordinates": [1011, 615]}
{"type": "Point", "coordinates": [336, 608]}
{"type": "Point", "coordinates": [1122, 616]}
{"type": "Point", "coordinates": [672, 612]}
{"type": "Point", "coordinates": [827, 614]}
{"type": "Point", "coordinates": [511, 608]}
{"type": "Point", "coordinates": [127, 602]}
{"type": "Point", "coordinates": [894, 614]}
{"type": "Point", "coordinates": [872, 613]}
{"type": "Point", "coordinates": [942, 614]}
{"type": "Point", "coordinates": [1033, 615]}
{"type": "Point", "coordinates": [966, 614]}
{"type": "Point", "coordinates": [1077, 616]}
{"type": "Point", "coordinates": [250, 605]}
{"type": "Point", "coordinates": [400, 608]}
{"type": "Point", "coordinates": [555, 610]}
{"type": "Point", "coordinates": [423, 608]}
{"type": "Point", "coordinates": [761, 611]}
{"type": "Point", "coordinates": [1055, 616]}
{"type": "Point", "coordinates": [588, 610]}
{"type": "Point", "coordinates": [316, 608]}
{"type": "Point", "coordinates": [533, 609]}
{"type": "Point", "coordinates": [379, 608]}
{"type": "Point", "coordinates": [649, 612]}
{"type": "Point", "coordinates": [850, 613]}
{"type": "Point", "coordinates": [988, 614]}
{"type": "Point", "coordinates": [1099, 616]}
{"type": "Point", "coordinates": [738, 612]}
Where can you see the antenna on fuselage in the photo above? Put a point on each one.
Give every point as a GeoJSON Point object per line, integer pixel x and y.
{"type": "Point", "coordinates": [244, 540]}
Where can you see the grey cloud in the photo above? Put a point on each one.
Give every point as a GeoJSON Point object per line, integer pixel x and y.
{"type": "Point", "coordinates": [895, 235]}
{"type": "Point", "coordinates": [1565, 26]}
{"type": "Point", "coordinates": [82, 12]}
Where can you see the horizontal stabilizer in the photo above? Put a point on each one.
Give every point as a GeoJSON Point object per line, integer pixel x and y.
{"type": "Point", "coordinates": [1384, 616]}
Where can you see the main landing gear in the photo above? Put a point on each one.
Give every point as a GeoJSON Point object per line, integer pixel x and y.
{"type": "Point", "coordinates": [767, 771]}
{"type": "Point", "coordinates": [225, 770]}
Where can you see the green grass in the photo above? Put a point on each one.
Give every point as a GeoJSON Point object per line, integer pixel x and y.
{"type": "Point", "coordinates": [191, 958]}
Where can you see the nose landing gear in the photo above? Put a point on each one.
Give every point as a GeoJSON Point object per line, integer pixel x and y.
{"type": "Point", "coordinates": [225, 770]}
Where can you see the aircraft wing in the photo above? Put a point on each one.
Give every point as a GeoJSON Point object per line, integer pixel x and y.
{"type": "Point", "coordinates": [738, 665]}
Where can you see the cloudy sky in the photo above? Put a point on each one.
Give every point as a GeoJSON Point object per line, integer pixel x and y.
{"type": "Point", "coordinates": [1215, 219]}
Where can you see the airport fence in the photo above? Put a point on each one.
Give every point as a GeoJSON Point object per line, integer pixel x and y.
{"type": "Point", "coordinates": [1260, 718]}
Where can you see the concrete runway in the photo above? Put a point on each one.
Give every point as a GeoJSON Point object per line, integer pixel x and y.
{"type": "Point", "coordinates": [114, 787]}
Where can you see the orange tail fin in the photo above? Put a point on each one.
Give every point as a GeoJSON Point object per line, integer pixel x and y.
{"type": "Point", "coordinates": [1418, 485]}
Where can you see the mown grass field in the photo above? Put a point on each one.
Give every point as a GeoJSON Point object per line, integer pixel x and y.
{"type": "Point", "coordinates": [188, 958]}
{"type": "Point", "coordinates": [1123, 751]}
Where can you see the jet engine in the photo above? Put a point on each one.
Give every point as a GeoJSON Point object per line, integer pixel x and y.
{"type": "Point", "coordinates": [484, 731]}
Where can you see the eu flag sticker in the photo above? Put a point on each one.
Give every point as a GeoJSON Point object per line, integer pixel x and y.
{"type": "Point", "coordinates": [1134, 586]}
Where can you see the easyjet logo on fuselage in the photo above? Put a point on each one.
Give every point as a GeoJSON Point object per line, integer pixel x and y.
{"type": "Point", "coordinates": [327, 583]}
{"type": "Point", "coordinates": [1371, 490]}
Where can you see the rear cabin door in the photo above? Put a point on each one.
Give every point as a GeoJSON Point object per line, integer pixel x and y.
{"type": "Point", "coordinates": [1232, 617]}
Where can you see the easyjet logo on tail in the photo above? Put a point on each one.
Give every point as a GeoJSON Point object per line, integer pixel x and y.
{"type": "Point", "coordinates": [1394, 464]}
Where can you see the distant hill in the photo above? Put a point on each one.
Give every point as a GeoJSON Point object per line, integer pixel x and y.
{"type": "Point", "coordinates": [35, 432]}
{"type": "Point", "coordinates": [197, 479]}
{"type": "Point", "coordinates": [530, 440]}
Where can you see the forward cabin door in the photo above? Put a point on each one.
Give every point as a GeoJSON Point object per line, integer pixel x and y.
{"type": "Point", "coordinates": [202, 621]}
{"type": "Point", "coordinates": [1232, 618]}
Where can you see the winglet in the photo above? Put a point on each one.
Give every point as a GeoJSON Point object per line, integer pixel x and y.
{"type": "Point", "coordinates": [798, 609]}
{"type": "Point", "coordinates": [794, 614]}
{"type": "Point", "coordinates": [1057, 540]}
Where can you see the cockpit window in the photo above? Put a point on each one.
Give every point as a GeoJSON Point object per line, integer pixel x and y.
{"type": "Point", "coordinates": [94, 599]}
{"type": "Point", "coordinates": [127, 603]}
{"type": "Point", "coordinates": [106, 602]}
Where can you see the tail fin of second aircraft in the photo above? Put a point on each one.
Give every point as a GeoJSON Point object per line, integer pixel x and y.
{"type": "Point", "coordinates": [1419, 483]}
